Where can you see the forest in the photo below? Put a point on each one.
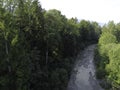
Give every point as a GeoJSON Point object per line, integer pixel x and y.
{"type": "Point", "coordinates": [107, 58]}
{"type": "Point", "coordinates": [38, 47]}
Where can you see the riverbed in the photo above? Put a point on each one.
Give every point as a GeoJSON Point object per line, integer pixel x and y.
{"type": "Point", "coordinates": [83, 75]}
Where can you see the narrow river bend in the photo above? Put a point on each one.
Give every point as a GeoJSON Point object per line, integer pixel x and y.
{"type": "Point", "coordinates": [83, 75]}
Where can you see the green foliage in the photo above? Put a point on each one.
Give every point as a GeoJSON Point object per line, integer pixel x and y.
{"type": "Point", "coordinates": [90, 31]}
{"type": "Point", "coordinates": [102, 57]}
{"type": "Point", "coordinates": [107, 38]}
{"type": "Point", "coordinates": [37, 47]}
{"type": "Point", "coordinates": [108, 57]}
{"type": "Point", "coordinates": [113, 66]}
{"type": "Point", "coordinates": [110, 27]}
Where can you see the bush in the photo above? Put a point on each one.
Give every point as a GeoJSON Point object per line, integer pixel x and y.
{"type": "Point", "coordinates": [113, 67]}
{"type": "Point", "coordinates": [107, 38]}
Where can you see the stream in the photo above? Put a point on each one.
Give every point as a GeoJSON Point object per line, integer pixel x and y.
{"type": "Point", "coordinates": [83, 74]}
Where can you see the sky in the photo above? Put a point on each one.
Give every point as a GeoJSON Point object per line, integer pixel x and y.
{"type": "Point", "coordinates": [101, 11]}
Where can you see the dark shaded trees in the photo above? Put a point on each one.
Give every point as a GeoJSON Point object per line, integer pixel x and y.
{"type": "Point", "coordinates": [37, 47]}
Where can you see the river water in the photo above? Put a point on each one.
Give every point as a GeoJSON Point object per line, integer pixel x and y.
{"type": "Point", "coordinates": [83, 74]}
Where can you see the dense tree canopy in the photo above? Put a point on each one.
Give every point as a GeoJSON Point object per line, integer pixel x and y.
{"type": "Point", "coordinates": [37, 47]}
{"type": "Point", "coordinates": [108, 56]}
